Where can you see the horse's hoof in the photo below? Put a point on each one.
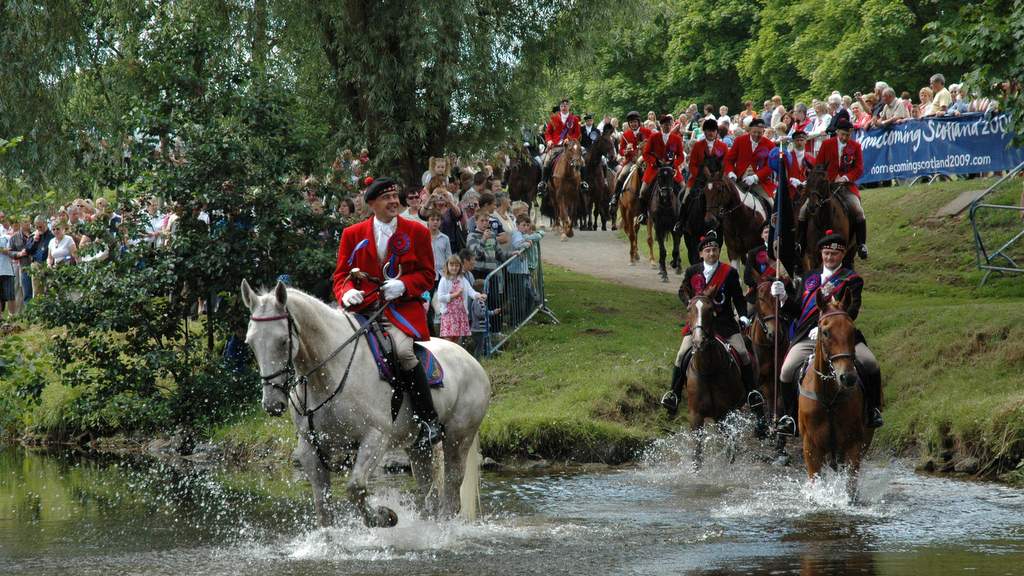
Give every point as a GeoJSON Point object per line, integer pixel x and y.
{"type": "Point", "coordinates": [564, 238]}
{"type": "Point", "coordinates": [781, 460]}
{"type": "Point", "coordinates": [614, 228]}
{"type": "Point", "coordinates": [383, 517]}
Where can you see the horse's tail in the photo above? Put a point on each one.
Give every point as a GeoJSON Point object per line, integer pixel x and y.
{"type": "Point", "coordinates": [469, 493]}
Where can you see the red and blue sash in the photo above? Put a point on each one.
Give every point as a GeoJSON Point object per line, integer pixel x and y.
{"type": "Point", "coordinates": [565, 129]}
{"type": "Point", "coordinates": [813, 285]}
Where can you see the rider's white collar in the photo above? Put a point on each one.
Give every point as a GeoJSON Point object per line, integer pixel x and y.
{"type": "Point", "coordinates": [565, 116]}
{"type": "Point", "coordinates": [709, 270]}
{"type": "Point", "coordinates": [826, 273]}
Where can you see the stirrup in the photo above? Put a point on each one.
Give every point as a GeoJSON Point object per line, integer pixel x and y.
{"type": "Point", "coordinates": [430, 433]}
{"type": "Point", "coordinates": [786, 426]}
{"type": "Point", "coordinates": [863, 251]}
{"type": "Point", "coordinates": [875, 418]}
{"type": "Point", "coordinates": [670, 401]}
{"type": "Point", "coordinates": [755, 399]}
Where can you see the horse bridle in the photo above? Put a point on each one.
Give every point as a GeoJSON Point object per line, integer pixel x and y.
{"type": "Point", "coordinates": [832, 376]}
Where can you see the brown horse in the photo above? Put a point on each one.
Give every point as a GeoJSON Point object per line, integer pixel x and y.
{"type": "Point", "coordinates": [740, 224]}
{"type": "Point", "coordinates": [831, 403]}
{"type": "Point", "coordinates": [565, 185]}
{"type": "Point", "coordinates": [714, 387]}
{"type": "Point", "coordinates": [825, 211]}
{"type": "Point", "coordinates": [770, 341]}
{"type": "Point", "coordinates": [629, 209]}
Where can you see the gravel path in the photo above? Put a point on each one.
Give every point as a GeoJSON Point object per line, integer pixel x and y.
{"type": "Point", "coordinates": [605, 255]}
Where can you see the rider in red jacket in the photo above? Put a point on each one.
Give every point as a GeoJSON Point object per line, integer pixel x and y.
{"type": "Point", "coordinates": [630, 146]}
{"type": "Point", "coordinates": [562, 127]}
{"type": "Point", "coordinates": [395, 262]}
{"type": "Point", "coordinates": [664, 147]}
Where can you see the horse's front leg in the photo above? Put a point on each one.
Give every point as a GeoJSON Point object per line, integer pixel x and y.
{"type": "Point", "coordinates": [662, 272]}
{"type": "Point", "coordinates": [319, 477]}
{"type": "Point", "coordinates": [697, 431]}
{"type": "Point", "coordinates": [370, 451]}
{"type": "Point", "coordinates": [422, 464]}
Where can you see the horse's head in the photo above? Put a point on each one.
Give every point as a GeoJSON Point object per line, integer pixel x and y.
{"type": "Point", "coordinates": [665, 183]}
{"type": "Point", "coordinates": [273, 337]}
{"type": "Point", "coordinates": [837, 338]}
{"type": "Point", "coordinates": [765, 304]}
{"type": "Point", "coordinates": [574, 153]}
{"type": "Point", "coordinates": [719, 196]}
{"type": "Point", "coordinates": [700, 316]}
{"type": "Point", "coordinates": [817, 188]}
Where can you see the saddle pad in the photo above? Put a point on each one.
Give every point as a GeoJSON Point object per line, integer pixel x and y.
{"type": "Point", "coordinates": [750, 200]}
{"type": "Point", "coordinates": [431, 366]}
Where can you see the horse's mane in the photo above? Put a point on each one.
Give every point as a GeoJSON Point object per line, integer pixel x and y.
{"type": "Point", "coordinates": [313, 316]}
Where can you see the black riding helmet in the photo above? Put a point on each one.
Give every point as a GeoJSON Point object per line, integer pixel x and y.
{"type": "Point", "coordinates": [633, 115]}
{"type": "Point", "coordinates": [709, 125]}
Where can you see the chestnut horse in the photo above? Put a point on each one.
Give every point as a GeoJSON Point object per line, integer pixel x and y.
{"type": "Point", "coordinates": [825, 211]}
{"type": "Point", "coordinates": [714, 387]}
{"type": "Point", "coordinates": [740, 224]}
{"type": "Point", "coordinates": [629, 209]}
{"type": "Point", "coordinates": [831, 403]}
{"type": "Point", "coordinates": [565, 185]}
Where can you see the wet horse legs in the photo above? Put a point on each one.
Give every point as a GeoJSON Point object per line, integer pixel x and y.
{"type": "Point", "coordinates": [370, 451]}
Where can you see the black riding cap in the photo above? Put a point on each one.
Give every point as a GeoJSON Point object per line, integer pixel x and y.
{"type": "Point", "coordinates": [832, 241]}
{"type": "Point", "coordinates": [756, 122]}
{"type": "Point", "coordinates": [709, 239]}
{"type": "Point", "coordinates": [378, 188]}
{"type": "Point", "coordinates": [633, 115]}
{"type": "Point", "coordinates": [709, 125]}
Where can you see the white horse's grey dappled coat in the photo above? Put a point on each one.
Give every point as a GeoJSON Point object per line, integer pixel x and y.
{"type": "Point", "coordinates": [360, 415]}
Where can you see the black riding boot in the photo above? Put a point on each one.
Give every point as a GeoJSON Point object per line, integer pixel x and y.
{"type": "Point", "coordinates": [801, 236]}
{"type": "Point", "coordinates": [873, 398]}
{"type": "Point", "coordinates": [754, 399]}
{"type": "Point", "coordinates": [583, 178]}
{"type": "Point", "coordinates": [431, 430]}
{"type": "Point", "coordinates": [861, 229]}
{"type": "Point", "coordinates": [671, 398]}
{"type": "Point", "coordinates": [545, 173]}
{"type": "Point", "coordinates": [645, 203]}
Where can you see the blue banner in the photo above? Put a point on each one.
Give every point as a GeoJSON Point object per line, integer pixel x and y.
{"type": "Point", "coordinates": [967, 144]}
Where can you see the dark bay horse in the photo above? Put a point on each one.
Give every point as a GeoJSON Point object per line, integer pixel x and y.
{"type": "Point", "coordinates": [740, 224]}
{"type": "Point", "coordinates": [629, 209]}
{"type": "Point", "coordinates": [522, 176]}
{"type": "Point", "coordinates": [664, 215]}
{"type": "Point", "coordinates": [600, 179]}
{"type": "Point", "coordinates": [770, 341]}
{"type": "Point", "coordinates": [831, 402]}
{"type": "Point", "coordinates": [694, 219]}
{"type": "Point", "coordinates": [714, 386]}
{"type": "Point", "coordinates": [825, 211]}
{"type": "Point", "coordinates": [565, 185]}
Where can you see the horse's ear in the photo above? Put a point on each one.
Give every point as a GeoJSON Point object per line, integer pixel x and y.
{"type": "Point", "coordinates": [844, 303]}
{"type": "Point", "coordinates": [281, 293]}
{"type": "Point", "coordinates": [710, 290]}
{"type": "Point", "coordinates": [822, 301]}
{"type": "Point", "coordinates": [247, 294]}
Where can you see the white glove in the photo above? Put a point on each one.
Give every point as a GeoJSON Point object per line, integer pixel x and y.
{"type": "Point", "coordinates": [550, 144]}
{"type": "Point", "coordinates": [751, 180]}
{"type": "Point", "coordinates": [842, 179]}
{"type": "Point", "coordinates": [352, 298]}
{"type": "Point", "coordinates": [732, 176]}
{"type": "Point", "coordinates": [744, 321]}
{"type": "Point", "coordinates": [813, 334]}
{"type": "Point", "coordinates": [795, 182]}
{"type": "Point", "coordinates": [393, 288]}
{"type": "Point", "coordinates": [779, 290]}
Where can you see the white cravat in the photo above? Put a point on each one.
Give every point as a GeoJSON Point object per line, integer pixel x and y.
{"type": "Point", "coordinates": [709, 271]}
{"type": "Point", "coordinates": [753, 145]}
{"type": "Point", "coordinates": [839, 147]}
{"type": "Point", "coordinates": [564, 118]}
{"type": "Point", "coordinates": [799, 156]}
{"type": "Point", "coordinates": [382, 233]}
{"type": "Point", "coordinates": [664, 138]}
{"type": "Point", "coordinates": [826, 274]}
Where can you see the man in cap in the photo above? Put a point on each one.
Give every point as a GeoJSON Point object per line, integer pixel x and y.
{"type": "Point", "coordinates": [728, 297]}
{"type": "Point", "coordinates": [396, 256]}
{"type": "Point", "coordinates": [663, 148]}
{"type": "Point", "coordinates": [845, 164]}
{"type": "Point", "coordinates": [798, 163]}
{"type": "Point", "coordinates": [835, 281]}
{"type": "Point", "coordinates": [589, 133]}
{"type": "Point", "coordinates": [562, 127]}
{"type": "Point", "coordinates": [747, 161]}
{"type": "Point", "coordinates": [629, 149]}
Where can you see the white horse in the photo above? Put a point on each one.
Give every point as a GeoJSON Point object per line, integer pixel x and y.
{"type": "Point", "coordinates": [313, 362]}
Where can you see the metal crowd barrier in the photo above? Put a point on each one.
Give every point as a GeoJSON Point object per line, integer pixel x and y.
{"type": "Point", "coordinates": [515, 294]}
{"type": "Point", "coordinates": [986, 232]}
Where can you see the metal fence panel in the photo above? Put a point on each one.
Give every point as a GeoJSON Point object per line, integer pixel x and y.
{"type": "Point", "coordinates": [515, 294]}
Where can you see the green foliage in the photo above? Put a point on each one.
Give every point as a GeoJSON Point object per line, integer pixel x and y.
{"type": "Point", "coordinates": [984, 38]}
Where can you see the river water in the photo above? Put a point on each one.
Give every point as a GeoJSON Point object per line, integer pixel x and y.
{"type": "Point", "coordinates": [62, 514]}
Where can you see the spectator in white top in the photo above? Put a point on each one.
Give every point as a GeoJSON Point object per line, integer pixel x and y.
{"type": "Point", "coordinates": [942, 100]}
{"type": "Point", "coordinates": [819, 133]}
{"type": "Point", "coordinates": [412, 198]}
{"type": "Point", "coordinates": [62, 249]}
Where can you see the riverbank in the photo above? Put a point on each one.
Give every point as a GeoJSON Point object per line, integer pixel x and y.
{"type": "Point", "coordinates": [587, 389]}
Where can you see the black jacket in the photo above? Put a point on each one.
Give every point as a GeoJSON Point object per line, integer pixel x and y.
{"type": "Point", "coordinates": [805, 308]}
{"type": "Point", "coordinates": [728, 298]}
